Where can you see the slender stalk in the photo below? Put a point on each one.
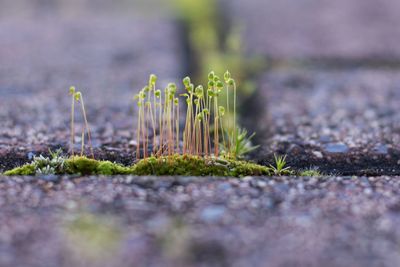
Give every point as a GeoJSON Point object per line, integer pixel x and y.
{"type": "Point", "coordinates": [150, 111]}
{"type": "Point", "coordinates": [138, 130]}
{"type": "Point", "coordinates": [87, 127]}
{"type": "Point", "coordinates": [138, 136]}
{"type": "Point", "coordinates": [161, 130]}
{"type": "Point", "coordinates": [204, 114]}
{"type": "Point", "coordinates": [169, 125]}
{"type": "Point", "coordinates": [195, 130]}
{"type": "Point", "coordinates": [229, 121]}
{"type": "Point", "coordinates": [83, 142]}
{"type": "Point", "coordinates": [177, 126]}
{"type": "Point", "coordinates": [192, 121]}
{"type": "Point", "coordinates": [216, 119]}
{"type": "Point", "coordinates": [186, 131]}
{"type": "Point", "coordinates": [209, 125]}
{"type": "Point", "coordinates": [234, 115]}
{"type": "Point", "coordinates": [152, 86]}
{"type": "Point", "coordinates": [72, 93]}
{"type": "Point", "coordinates": [222, 131]}
{"type": "Point", "coordinates": [144, 130]}
{"type": "Point", "coordinates": [199, 139]}
{"type": "Point", "coordinates": [172, 126]}
{"type": "Point", "coordinates": [164, 122]}
{"type": "Point", "coordinates": [154, 120]}
{"type": "Point", "coordinates": [153, 126]}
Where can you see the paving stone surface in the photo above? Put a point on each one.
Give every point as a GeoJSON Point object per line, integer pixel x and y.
{"type": "Point", "coordinates": [149, 221]}
{"type": "Point", "coordinates": [344, 120]}
{"type": "Point", "coordinates": [313, 29]}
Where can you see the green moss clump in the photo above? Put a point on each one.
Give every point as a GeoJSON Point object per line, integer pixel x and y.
{"type": "Point", "coordinates": [311, 173]}
{"type": "Point", "coordinates": [27, 169]}
{"type": "Point", "coordinates": [197, 166]}
{"type": "Point", "coordinates": [167, 165]}
{"type": "Point", "coordinates": [86, 166]}
{"type": "Point", "coordinates": [76, 165]}
{"type": "Point", "coordinates": [81, 165]}
{"type": "Point", "coordinates": [109, 168]}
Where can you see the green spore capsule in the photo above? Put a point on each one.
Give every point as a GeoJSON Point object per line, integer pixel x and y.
{"type": "Point", "coordinates": [78, 96]}
{"type": "Point", "coordinates": [227, 76]}
{"type": "Point", "coordinates": [72, 90]}
{"type": "Point", "coordinates": [186, 81]}
{"type": "Point", "coordinates": [152, 79]}
{"type": "Point", "coordinates": [211, 76]}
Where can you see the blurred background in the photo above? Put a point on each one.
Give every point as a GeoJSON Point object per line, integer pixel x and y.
{"type": "Point", "coordinates": [318, 79]}
{"type": "Point", "coordinates": [314, 76]}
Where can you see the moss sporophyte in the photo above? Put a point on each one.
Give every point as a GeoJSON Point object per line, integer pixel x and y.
{"type": "Point", "coordinates": [77, 97]}
{"type": "Point", "coordinates": [209, 145]}
{"type": "Point", "coordinates": [205, 132]}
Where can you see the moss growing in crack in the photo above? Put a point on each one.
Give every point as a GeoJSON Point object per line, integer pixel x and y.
{"type": "Point", "coordinates": [109, 168]}
{"type": "Point", "coordinates": [81, 165]}
{"type": "Point", "coordinates": [86, 166]}
{"type": "Point", "coordinates": [167, 165]}
{"type": "Point", "coordinates": [197, 166]}
{"type": "Point", "coordinates": [27, 169]}
{"type": "Point", "coordinates": [312, 172]}
{"type": "Point", "coordinates": [74, 165]}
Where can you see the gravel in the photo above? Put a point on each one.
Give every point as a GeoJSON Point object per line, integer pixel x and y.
{"type": "Point", "coordinates": [199, 221]}
{"type": "Point", "coordinates": [343, 121]}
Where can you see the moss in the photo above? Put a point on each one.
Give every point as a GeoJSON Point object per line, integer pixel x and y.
{"type": "Point", "coordinates": [86, 166]}
{"type": "Point", "coordinates": [173, 165]}
{"type": "Point", "coordinates": [27, 169]}
{"type": "Point", "coordinates": [197, 166]}
{"type": "Point", "coordinates": [81, 165]}
{"type": "Point", "coordinates": [109, 168]}
{"type": "Point", "coordinates": [311, 173]}
{"type": "Point", "coordinates": [244, 168]}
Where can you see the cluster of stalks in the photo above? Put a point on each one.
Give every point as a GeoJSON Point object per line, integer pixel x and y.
{"type": "Point", "coordinates": [158, 132]}
{"type": "Point", "coordinates": [77, 97]}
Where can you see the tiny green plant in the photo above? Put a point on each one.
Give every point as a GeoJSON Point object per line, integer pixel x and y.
{"type": "Point", "coordinates": [311, 172]}
{"type": "Point", "coordinates": [77, 97]}
{"type": "Point", "coordinates": [205, 125]}
{"type": "Point", "coordinates": [72, 141]}
{"type": "Point", "coordinates": [280, 166]}
{"type": "Point", "coordinates": [242, 144]}
{"type": "Point", "coordinates": [55, 164]}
